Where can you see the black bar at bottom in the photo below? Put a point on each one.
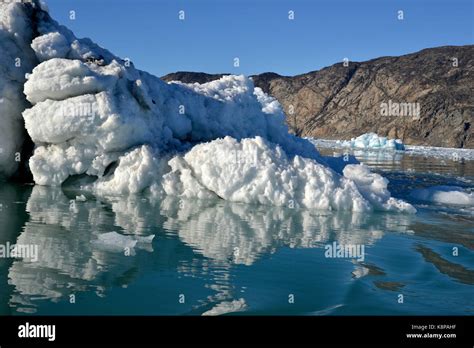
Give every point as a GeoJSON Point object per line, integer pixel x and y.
{"type": "Point", "coordinates": [452, 331]}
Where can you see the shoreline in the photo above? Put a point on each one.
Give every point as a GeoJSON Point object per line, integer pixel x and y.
{"type": "Point", "coordinates": [455, 154]}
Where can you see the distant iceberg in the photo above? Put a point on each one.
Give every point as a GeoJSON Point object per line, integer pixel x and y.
{"type": "Point", "coordinates": [93, 114]}
{"type": "Point", "coordinates": [373, 141]}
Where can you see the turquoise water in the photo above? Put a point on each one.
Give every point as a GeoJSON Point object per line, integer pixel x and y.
{"type": "Point", "coordinates": [254, 260]}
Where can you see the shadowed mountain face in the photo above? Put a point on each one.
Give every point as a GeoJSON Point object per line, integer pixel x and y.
{"type": "Point", "coordinates": [424, 98]}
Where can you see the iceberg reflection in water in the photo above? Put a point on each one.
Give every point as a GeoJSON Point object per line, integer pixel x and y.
{"type": "Point", "coordinates": [207, 257]}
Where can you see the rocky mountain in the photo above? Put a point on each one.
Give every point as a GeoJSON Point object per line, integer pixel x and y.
{"type": "Point", "coordinates": [423, 98]}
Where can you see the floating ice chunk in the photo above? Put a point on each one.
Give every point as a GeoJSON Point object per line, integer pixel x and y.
{"type": "Point", "coordinates": [227, 307]}
{"type": "Point", "coordinates": [373, 141]}
{"type": "Point", "coordinates": [256, 171]}
{"type": "Point", "coordinates": [116, 242]}
{"type": "Point", "coordinates": [444, 195]}
{"type": "Point", "coordinates": [113, 240]}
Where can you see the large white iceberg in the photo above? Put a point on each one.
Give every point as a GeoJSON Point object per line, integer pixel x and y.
{"type": "Point", "coordinates": [94, 114]}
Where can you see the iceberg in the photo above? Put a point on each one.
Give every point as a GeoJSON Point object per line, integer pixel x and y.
{"type": "Point", "coordinates": [91, 113]}
{"type": "Point", "coordinates": [16, 59]}
{"type": "Point", "coordinates": [373, 141]}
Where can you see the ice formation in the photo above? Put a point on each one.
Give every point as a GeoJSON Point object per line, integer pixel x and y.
{"type": "Point", "coordinates": [94, 114]}
{"type": "Point", "coordinates": [373, 141]}
{"type": "Point", "coordinates": [115, 241]}
{"type": "Point", "coordinates": [452, 195]}
{"type": "Point", "coordinates": [257, 171]}
{"type": "Point", "coordinates": [16, 59]}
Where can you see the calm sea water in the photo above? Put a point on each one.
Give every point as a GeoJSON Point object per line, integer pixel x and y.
{"type": "Point", "coordinates": [256, 260]}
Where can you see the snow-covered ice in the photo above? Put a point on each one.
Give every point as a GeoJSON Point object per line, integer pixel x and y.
{"type": "Point", "coordinates": [114, 241]}
{"type": "Point", "coordinates": [142, 120]}
{"type": "Point", "coordinates": [257, 171]}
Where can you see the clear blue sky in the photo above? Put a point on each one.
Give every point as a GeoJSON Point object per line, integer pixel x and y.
{"type": "Point", "coordinates": [260, 34]}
